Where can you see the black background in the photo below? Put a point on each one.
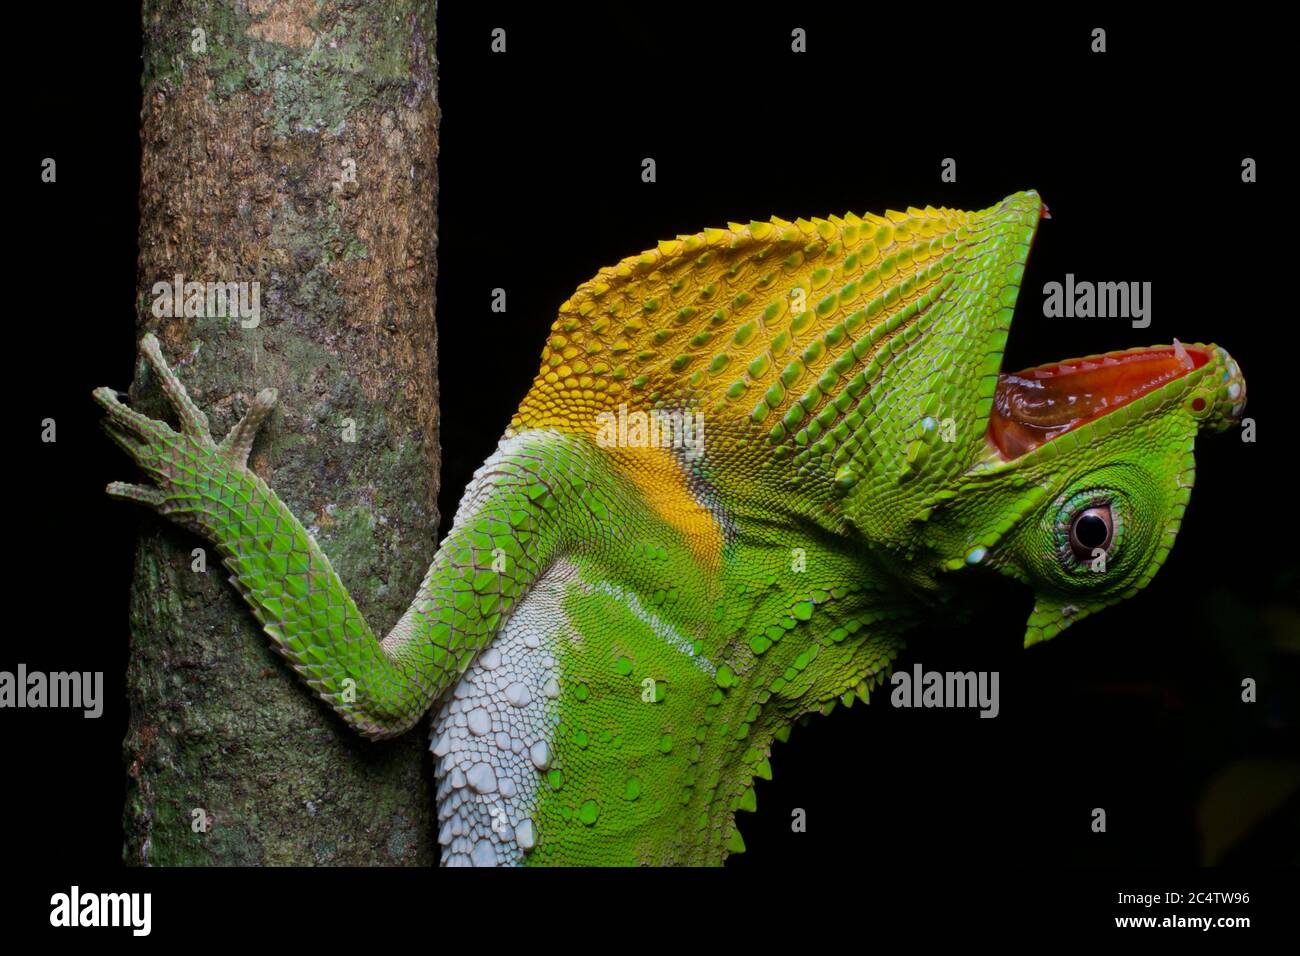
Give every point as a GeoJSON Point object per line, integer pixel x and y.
{"type": "Point", "coordinates": [1138, 154]}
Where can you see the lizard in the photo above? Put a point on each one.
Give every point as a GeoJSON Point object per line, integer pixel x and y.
{"type": "Point", "coordinates": [753, 458]}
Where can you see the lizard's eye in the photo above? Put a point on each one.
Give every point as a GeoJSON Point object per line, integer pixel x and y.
{"type": "Point", "coordinates": [1091, 528]}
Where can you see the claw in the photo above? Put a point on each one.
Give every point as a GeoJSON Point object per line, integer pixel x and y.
{"type": "Point", "coordinates": [239, 442]}
{"type": "Point", "coordinates": [193, 421]}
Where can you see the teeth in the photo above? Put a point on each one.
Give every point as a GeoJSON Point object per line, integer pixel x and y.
{"type": "Point", "coordinates": [1180, 353]}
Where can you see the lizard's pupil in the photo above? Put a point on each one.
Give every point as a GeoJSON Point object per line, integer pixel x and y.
{"type": "Point", "coordinates": [1090, 530]}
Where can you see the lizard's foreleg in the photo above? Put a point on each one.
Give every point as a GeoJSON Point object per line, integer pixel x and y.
{"type": "Point", "coordinates": [500, 542]}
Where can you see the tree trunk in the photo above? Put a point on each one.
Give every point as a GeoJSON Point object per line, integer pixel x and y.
{"type": "Point", "coordinates": [291, 144]}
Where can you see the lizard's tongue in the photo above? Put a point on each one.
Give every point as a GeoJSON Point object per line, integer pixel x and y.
{"type": "Point", "coordinates": [1036, 405]}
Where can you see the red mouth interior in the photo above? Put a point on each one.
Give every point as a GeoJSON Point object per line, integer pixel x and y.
{"type": "Point", "coordinates": [1036, 405]}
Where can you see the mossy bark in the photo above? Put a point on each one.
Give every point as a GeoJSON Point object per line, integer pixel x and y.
{"type": "Point", "coordinates": [291, 143]}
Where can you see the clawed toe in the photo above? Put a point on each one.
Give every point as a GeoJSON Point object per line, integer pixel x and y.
{"type": "Point", "coordinates": [124, 489]}
{"type": "Point", "coordinates": [124, 439]}
{"type": "Point", "coordinates": [236, 445]}
{"type": "Point", "coordinates": [193, 421]}
{"type": "Point", "coordinates": [125, 421]}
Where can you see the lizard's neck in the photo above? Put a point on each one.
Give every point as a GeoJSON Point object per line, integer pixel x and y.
{"type": "Point", "coordinates": [806, 623]}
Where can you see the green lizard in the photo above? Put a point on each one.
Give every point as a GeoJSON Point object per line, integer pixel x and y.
{"type": "Point", "coordinates": [751, 460]}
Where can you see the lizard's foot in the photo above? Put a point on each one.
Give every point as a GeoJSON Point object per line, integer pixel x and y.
{"type": "Point", "coordinates": [173, 458]}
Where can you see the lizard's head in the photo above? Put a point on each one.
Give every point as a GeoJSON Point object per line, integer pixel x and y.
{"type": "Point", "coordinates": [1087, 470]}
{"type": "Point", "coordinates": [1071, 477]}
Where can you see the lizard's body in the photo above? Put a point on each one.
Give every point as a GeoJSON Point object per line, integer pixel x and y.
{"type": "Point", "coordinates": [617, 627]}
{"type": "Point", "coordinates": [664, 763]}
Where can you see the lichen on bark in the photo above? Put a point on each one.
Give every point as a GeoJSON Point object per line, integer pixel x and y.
{"type": "Point", "coordinates": [291, 143]}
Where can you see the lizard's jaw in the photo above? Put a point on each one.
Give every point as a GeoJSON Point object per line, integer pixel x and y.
{"type": "Point", "coordinates": [1035, 405]}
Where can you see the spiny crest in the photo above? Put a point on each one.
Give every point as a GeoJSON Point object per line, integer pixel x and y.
{"type": "Point", "coordinates": [766, 324]}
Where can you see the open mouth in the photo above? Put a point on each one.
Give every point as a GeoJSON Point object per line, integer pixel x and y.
{"type": "Point", "coordinates": [1038, 404]}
